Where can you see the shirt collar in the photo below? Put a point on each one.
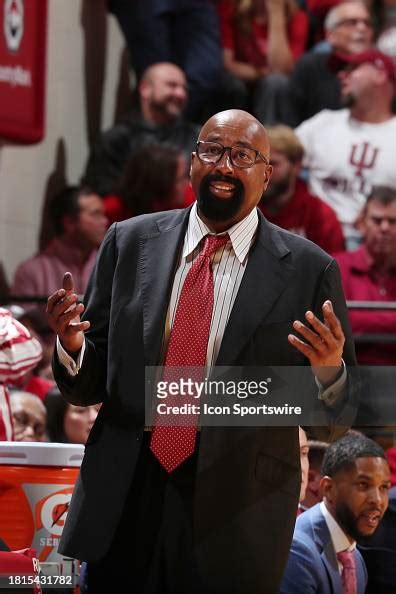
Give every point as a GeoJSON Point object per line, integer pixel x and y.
{"type": "Point", "coordinates": [241, 234]}
{"type": "Point", "coordinates": [338, 536]}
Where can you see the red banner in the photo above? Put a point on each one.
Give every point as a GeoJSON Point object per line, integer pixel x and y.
{"type": "Point", "coordinates": [23, 39]}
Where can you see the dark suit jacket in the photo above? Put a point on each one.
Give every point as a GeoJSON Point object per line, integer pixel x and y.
{"type": "Point", "coordinates": [248, 479]}
{"type": "Point", "coordinates": [312, 566]}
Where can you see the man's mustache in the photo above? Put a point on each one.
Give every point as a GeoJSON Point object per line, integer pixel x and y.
{"type": "Point", "coordinates": [216, 177]}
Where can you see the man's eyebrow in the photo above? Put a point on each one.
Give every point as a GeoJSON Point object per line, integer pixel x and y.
{"type": "Point", "coordinates": [216, 138]}
{"type": "Point", "coordinates": [367, 477]}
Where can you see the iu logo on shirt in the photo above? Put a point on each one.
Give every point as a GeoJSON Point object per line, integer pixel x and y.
{"type": "Point", "coordinates": [13, 23]}
{"type": "Point", "coordinates": [363, 157]}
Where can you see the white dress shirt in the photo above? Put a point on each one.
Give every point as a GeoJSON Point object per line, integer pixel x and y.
{"type": "Point", "coordinates": [338, 537]}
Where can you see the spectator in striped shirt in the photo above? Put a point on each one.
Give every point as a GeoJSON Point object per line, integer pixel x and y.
{"type": "Point", "coordinates": [19, 352]}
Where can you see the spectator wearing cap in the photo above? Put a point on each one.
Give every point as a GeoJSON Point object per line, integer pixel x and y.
{"type": "Point", "coordinates": [323, 557]}
{"type": "Point", "coordinates": [288, 202]}
{"type": "Point", "coordinates": [349, 151]}
{"type": "Point", "coordinates": [313, 85]}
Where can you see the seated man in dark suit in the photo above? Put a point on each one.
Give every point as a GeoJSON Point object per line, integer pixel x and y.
{"type": "Point", "coordinates": [323, 557]}
{"type": "Point", "coordinates": [213, 285]}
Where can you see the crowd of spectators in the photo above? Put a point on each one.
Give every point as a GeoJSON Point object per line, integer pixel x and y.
{"type": "Point", "coordinates": [321, 75]}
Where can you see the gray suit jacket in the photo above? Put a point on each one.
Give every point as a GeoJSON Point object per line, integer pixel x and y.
{"type": "Point", "coordinates": [312, 567]}
{"type": "Point", "coordinates": [248, 479]}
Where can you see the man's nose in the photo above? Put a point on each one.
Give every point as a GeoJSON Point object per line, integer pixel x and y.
{"type": "Point", "coordinates": [181, 92]}
{"type": "Point", "coordinates": [92, 414]}
{"type": "Point", "coordinates": [384, 225]}
{"type": "Point", "coordinates": [29, 433]}
{"type": "Point", "coordinates": [225, 162]}
{"type": "Point", "coordinates": [379, 497]}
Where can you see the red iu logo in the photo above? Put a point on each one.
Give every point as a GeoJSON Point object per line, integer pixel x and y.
{"type": "Point", "coordinates": [363, 157]}
{"type": "Point", "coordinates": [13, 23]}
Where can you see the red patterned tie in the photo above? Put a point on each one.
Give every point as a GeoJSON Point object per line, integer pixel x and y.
{"type": "Point", "coordinates": [348, 576]}
{"type": "Point", "coordinates": [187, 347]}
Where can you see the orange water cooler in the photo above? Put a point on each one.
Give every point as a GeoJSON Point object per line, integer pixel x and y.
{"type": "Point", "coordinates": [36, 484]}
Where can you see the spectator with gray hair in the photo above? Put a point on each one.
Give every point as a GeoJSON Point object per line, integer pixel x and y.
{"type": "Point", "coordinates": [313, 86]}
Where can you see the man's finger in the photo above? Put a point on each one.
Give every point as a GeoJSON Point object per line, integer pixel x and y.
{"type": "Point", "coordinates": [320, 328]}
{"type": "Point", "coordinates": [301, 346]}
{"type": "Point", "coordinates": [64, 305]}
{"type": "Point", "coordinates": [77, 326]}
{"type": "Point", "coordinates": [332, 320]}
{"type": "Point", "coordinates": [68, 282]}
{"type": "Point", "coordinates": [54, 299]}
{"type": "Point", "coordinates": [65, 319]}
{"type": "Point", "coordinates": [311, 337]}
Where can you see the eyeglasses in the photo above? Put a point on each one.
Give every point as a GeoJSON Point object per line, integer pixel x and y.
{"type": "Point", "coordinates": [240, 156]}
{"type": "Point", "coordinates": [353, 23]}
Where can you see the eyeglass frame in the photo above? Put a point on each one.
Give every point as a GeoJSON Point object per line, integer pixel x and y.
{"type": "Point", "coordinates": [353, 22]}
{"type": "Point", "coordinates": [229, 148]}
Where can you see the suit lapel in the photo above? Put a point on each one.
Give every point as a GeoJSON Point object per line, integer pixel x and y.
{"type": "Point", "coordinates": [158, 261]}
{"type": "Point", "coordinates": [265, 278]}
{"type": "Point", "coordinates": [323, 539]}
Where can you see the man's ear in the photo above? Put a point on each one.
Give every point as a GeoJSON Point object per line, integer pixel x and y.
{"type": "Point", "coordinates": [326, 488]}
{"type": "Point", "coordinates": [360, 223]}
{"type": "Point", "coordinates": [69, 223]}
{"type": "Point", "coordinates": [144, 89]}
{"type": "Point", "coordinates": [267, 176]}
{"type": "Point", "coordinates": [193, 157]}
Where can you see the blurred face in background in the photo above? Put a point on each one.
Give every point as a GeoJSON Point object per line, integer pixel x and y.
{"type": "Point", "coordinates": [29, 417]}
{"type": "Point", "coordinates": [378, 227]}
{"type": "Point", "coordinates": [181, 182]}
{"type": "Point", "coordinates": [304, 461]}
{"type": "Point", "coordinates": [92, 221]}
{"type": "Point", "coordinates": [165, 91]}
{"type": "Point", "coordinates": [284, 174]}
{"type": "Point", "coordinates": [78, 422]}
{"type": "Point", "coordinates": [351, 31]}
{"type": "Point", "coordinates": [357, 83]}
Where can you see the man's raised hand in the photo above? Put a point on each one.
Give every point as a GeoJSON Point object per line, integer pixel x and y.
{"type": "Point", "coordinates": [323, 343]}
{"type": "Point", "coordinates": [63, 313]}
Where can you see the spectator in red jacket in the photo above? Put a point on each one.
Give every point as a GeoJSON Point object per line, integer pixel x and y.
{"type": "Point", "coordinates": [261, 40]}
{"type": "Point", "coordinates": [288, 202]}
{"type": "Point", "coordinates": [369, 274]}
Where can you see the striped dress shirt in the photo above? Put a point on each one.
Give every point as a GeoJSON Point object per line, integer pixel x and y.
{"type": "Point", "coordinates": [228, 265]}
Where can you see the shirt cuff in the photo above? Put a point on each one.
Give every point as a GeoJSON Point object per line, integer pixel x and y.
{"type": "Point", "coordinates": [333, 393]}
{"type": "Point", "coordinates": [72, 367]}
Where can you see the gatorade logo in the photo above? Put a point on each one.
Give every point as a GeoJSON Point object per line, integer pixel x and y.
{"type": "Point", "coordinates": [51, 511]}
